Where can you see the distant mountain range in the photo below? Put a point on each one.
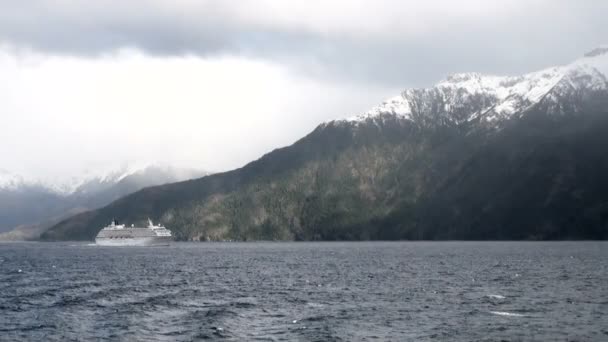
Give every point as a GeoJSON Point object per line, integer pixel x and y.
{"type": "Point", "coordinates": [30, 205]}
{"type": "Point", "coordinates": [474, 157]}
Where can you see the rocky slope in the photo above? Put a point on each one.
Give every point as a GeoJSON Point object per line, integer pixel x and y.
{"type": "Point", "coordinates": [474, 157]}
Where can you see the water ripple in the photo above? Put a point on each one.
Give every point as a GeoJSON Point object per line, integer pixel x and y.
{"type": "Point", "coordinates": [457, 291]}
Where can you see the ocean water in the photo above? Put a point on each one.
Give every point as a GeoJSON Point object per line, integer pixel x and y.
{"type": "Point", "coordinates": [397, 291]}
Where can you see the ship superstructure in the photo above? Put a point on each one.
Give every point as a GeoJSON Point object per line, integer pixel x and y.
{"type": "Point", "coordinates": [120, 235]}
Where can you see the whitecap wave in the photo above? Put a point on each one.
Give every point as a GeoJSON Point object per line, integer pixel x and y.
{"type": "Point", "coordinates": [504, 313]}
{"type": "Point", "coordinates": [495, 296]}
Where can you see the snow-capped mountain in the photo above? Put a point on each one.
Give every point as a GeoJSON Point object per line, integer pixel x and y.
{"type": "Point", "coordinates": [10, 181]}
{"type": "Point", "coordinates": [90, 180]}
{"type": "Point", "coordinates": [33, 203]}
{"type": "Point", "coordinates": [490, 100]}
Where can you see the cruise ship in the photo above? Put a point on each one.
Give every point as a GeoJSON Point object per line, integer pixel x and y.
{"type": "Point", "coordinates": [120, 235]}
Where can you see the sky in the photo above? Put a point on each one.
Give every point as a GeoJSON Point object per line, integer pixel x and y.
{"type": "Point", "coordinates": [216, 84]}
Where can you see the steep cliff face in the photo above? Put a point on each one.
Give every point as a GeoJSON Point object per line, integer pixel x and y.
{"type": "Point", "coordinates": [479, 157]}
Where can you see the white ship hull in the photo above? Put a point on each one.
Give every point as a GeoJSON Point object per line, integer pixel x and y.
{"type": "Point", "coordinates": [139, 241]}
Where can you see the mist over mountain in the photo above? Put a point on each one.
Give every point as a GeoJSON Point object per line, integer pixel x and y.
{"type": "Point", "coordinates": [30, 205]}
{"type": "Point", "coordinates": [474, 157]}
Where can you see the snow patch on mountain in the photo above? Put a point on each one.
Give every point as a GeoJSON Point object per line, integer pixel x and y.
{"type": "Point", "coordinates": [9, 180]}
{"type": "Point", "coordinates": [492, 97]}
{"type": "Point", "coordinates": [395, 105]}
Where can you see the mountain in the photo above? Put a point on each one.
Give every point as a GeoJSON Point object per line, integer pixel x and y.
{"type": "Point", "coordinates": [30, 205]}
{"type": "Point", "coordinates": [473, 157]}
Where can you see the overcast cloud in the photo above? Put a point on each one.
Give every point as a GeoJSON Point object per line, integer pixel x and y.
{"type": "Point", "coordinates": [214, 84]}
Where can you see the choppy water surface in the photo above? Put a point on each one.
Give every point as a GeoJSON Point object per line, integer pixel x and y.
{"type": "Point", "coordinates": [305, 291]}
